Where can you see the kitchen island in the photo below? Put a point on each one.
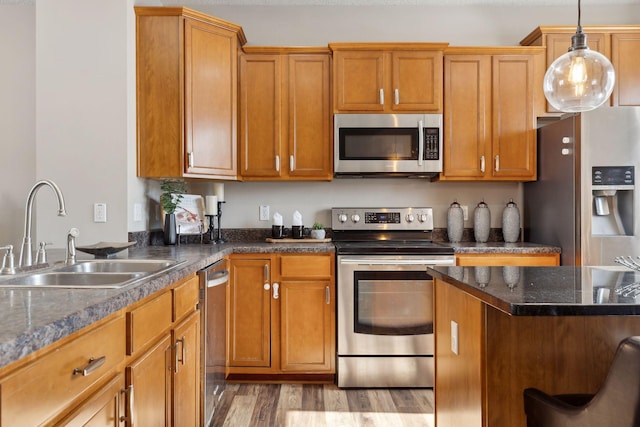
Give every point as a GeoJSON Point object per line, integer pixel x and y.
{"type": "Point", "coordinates": [500, 330]}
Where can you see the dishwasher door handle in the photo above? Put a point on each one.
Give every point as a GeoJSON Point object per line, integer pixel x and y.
{"type": "Point", "coordinates": [219, 279]}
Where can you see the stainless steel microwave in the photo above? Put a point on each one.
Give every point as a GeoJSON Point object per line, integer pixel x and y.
{"type": "Point", "coordinates": [387, 145]}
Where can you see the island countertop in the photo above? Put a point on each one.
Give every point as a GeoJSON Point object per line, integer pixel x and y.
{"type": "Point", "coordinates": [548, 291]}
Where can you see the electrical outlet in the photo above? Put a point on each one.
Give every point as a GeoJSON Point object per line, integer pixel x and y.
{"type": "Point", "coordinates": [264, 213]}
{"type": "Point", "coordinates": [99, 212]}
{"type": "Point", "coordinates": [137, 212]}
{"type": "Point", "coordinates": [465, 212]}
{"type": "Point", "coordinates": [454, 337]}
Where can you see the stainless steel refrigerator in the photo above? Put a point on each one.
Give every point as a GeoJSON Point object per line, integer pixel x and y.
{"type": "Point", "coordinates": [585, 198]}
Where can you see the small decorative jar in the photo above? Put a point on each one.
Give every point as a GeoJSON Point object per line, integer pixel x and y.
{"type": "Point", "coordinates": [455, 222]}
{"type": "Point", "coordinates": [481, 222]}
{"type": "Point", "coordinates": [511, 222]}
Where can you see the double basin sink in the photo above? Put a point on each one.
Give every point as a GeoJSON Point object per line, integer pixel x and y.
{"type": "Point", "coordinates": [95, 274]}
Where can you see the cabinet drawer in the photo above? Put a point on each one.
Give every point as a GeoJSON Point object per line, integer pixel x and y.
{"type": "Point", "coordinates": [46, 387]}
{"type": "Point", "coordinates": [308, 266]}
{"type": "Point", "coordinates": [185, 298]}
{"type": "Point", "coordinates": [148, 322]}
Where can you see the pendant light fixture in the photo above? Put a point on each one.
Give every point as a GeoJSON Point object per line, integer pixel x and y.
{"type": "Point", "coordinates": [581, 79]}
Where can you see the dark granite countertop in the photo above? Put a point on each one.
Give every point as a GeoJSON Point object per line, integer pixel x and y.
{"type": "Point", "coordinates": [548, 291]}
{"type": "Point", "coordinates": [32, 318]}
{"type": "Point", "coordinates": [502, 247]}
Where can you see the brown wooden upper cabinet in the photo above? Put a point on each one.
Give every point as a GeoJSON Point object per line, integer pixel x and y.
{"type": "Point", "coordinates": [490, 110]}
{"type": "Point", "coordinates": [285, 114]}
{"type": "Point", "coordinates": [186, 94]}
{"type": "Point", "coordinates": [619, 43]}
{"type": "Point", "coordinates": [387, 77]}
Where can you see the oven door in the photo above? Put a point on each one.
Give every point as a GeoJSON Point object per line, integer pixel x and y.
{"type": "Point", "coordinates": [385, 305]}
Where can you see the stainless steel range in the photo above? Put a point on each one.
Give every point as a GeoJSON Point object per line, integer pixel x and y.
{"type": "Point", "coordinates": [385, 297]}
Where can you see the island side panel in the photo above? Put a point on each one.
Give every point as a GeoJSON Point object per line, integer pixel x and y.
{"type": "Point", "coordinates": [556, 354]}
{"type": "Point", "coordinates": [459, 377]}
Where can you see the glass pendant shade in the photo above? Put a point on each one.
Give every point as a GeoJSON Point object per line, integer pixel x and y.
{"type": "Point", "coordinates": [581, 79]}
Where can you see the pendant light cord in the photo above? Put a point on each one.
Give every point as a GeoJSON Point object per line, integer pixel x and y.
{"type": "Point", "coordinates": [579, 12]}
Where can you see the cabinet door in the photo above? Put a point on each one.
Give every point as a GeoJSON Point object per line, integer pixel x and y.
{"type": "Point", "coordinates": [103, 409]}
{"type": "Point", "coordinates": [359, 80]}
{"type": "Point", "coordinates": [626, 62]}
{"type": "Point", "coordinates": [309, 116]}
{"type": "Point", "coordinates": [210, 99]}
{"type": "Point", "coordinates": [260, 116]}
{"type": "Point", "coordinates": [467, 115]}
{"type": "Point", "coordinates": [513, 117]}
{"type": "Point", "coordinates": [151, 379]}
{"type": "Point", "coordinates": [306, 326]}
{"type": "Point", "coordinates": [250, 313]}
{"type": "Point", "coordinates": [186, 367]}
{"type": "Point", "coordinates": [417, 81]}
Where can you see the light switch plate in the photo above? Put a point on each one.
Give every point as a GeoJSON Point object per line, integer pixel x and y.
{"type": "Point", "coordinates": [264, 213]}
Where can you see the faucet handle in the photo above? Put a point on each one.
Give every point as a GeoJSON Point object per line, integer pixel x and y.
{"type": "Point", "coordinates": [41, 256]}
{"type": "Point", "coordinates": [8, 262]}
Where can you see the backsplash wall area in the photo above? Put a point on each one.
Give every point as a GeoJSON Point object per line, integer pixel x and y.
{"type": "Point", "coordinates": [315, 199]}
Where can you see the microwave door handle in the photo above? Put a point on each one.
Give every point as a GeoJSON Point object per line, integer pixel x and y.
{"type": "Point", "coordinates": [420, 143]}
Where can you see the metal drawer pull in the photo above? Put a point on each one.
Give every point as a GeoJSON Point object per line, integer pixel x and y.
{"type": "Point", "coordinates": [131, 418]}
{"type": "Point", "coordinates": [482, 164]}
{"type": "Point", "coordinates": [91, 366]}
{"type": "Point", "coordinates": [396, 97]}
{"type": "Point", "coordinates": [180, 356]}
{"type": "Point", "coordinates": [497, 163]}
{"type": "Point", "coordinates": [276, 288]}
{"type": "Point", "coordinates": [381, 96]}
{"type": "Point", "coordinates": [277, 163]}
{"type": "Point", "coordinates": [292, 163]}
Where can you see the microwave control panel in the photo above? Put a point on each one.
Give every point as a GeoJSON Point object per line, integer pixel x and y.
{"type": "Point", "coordinates": [431, 144]}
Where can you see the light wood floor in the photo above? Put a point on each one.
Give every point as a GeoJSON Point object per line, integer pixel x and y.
{"type": "Point", "coordinates": [312, 405]}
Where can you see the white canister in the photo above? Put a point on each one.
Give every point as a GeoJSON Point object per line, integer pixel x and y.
{"type": "Point", "coordinates": [455, 222]}
{"type": "Point", "coordinates": [481, 222]}
{"type": "Point", "coordinates": [511, 222]}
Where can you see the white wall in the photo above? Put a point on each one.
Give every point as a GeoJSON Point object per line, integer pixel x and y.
{"type": "Point", "coordinates": [17, 117]}
{"type": "Point", "coordinates": [68, 97]}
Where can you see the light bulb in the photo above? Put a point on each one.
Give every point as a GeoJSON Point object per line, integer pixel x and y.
{"type": "Point", "coordinates": [580, 80]}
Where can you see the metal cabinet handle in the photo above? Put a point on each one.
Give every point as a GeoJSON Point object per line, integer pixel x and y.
{"type": "Point", "coordinates": [292, 163]}
{"type": "Point", "coordinates": [276, 288]}
{"type": "Point", "coordinates": [131, 417]}
{"type": "Point", "coordinates": [191, 160]}
{"type": "Point", "coordinates": [327, 294]}
{"type": "Point", "coordinates": [266, 273]}
{"type": "Point", "coordinates": [396, 96]}
{"type": "Point", "coordinates": [381, 96]}
{"type": "Point", "coordinates": [91, 367]}
{"type": "Point", "coordinates": [482, 164]}
{"type": "Point", "coordinates": [180, 356]}
{"type": "Point", "coordinates": [497, 163]}
{"type": "Point", "coordinates": [277, 163]}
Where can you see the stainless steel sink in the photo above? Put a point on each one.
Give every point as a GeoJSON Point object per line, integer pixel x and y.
{"type": "Point", "coordinates": [58, 279]}
{"type": "Point", "coordinates": [95, 274]}
{"type": "Point", "coordinates": [146, 266]}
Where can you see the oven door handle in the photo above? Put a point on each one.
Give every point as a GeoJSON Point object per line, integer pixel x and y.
{"type": "Point", "coordinates": [373, 261]}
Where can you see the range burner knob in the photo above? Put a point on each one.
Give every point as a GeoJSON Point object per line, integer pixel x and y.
{"type": "Point", "coordinates": [423, 217]}
{"type": "Point", "coordinates": [355, 218]}
{"type": "Point", "coordinates": [410, 218]}
{"type": "Point", "coordinates": [342, 218]}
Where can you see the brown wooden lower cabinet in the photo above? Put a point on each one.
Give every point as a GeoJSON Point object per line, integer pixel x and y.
{"type": "Point", "coordinates": [500, 355]}
{"type": "Point", "coordinates": [151, 369]}
{"type": "Point", "coordinates": [503, 259]}
{"type": "Point", "coordinates": [282, 314]}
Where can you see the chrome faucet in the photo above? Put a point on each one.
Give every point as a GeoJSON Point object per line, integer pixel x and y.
{"type": "Point", "coordinates": [25, 251]}
{"type": "Point", "coordinates": [71, 246]}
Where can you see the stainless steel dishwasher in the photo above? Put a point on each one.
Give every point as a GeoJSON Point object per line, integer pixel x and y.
{"type": "Point", "coordinates": [214, 285]}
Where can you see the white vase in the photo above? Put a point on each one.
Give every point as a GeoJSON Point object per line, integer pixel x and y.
{"type": "Point", "coordinates": [318, 234]}
{"type": "Point", "coordinates": [481, 222]}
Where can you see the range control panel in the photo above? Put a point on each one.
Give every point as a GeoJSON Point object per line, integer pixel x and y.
{"type": "Point", "coordinates": [418, 219]}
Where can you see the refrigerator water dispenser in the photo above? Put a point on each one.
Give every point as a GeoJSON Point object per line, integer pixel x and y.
{"type": "Point", "coordinates": [612, 211]}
